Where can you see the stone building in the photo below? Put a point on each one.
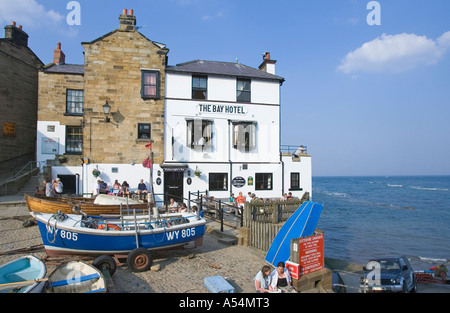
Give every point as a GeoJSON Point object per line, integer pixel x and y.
{"type": "Point", "coordinates": [18, 100]}
{"type": "Point", "coordinates": [123, 73]}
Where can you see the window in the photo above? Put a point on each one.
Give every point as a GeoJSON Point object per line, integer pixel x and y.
{"type": "Point", "coordinates": [218, 181]}
{"type": "Point", "coordinates": [199, 133]}
{"type": "Point", "coordinates": [244, 136]}
{"type": "Point", "coordinates": [144, 131]}
{"type": "Point", "coordinates": [243, 90]}
{"type": "Point", "coordinates": [74, 140]}
{"type": "Point", "coordinates": [150, 84]}
{"type": "Point", "coordinates": [74, 102]}
{"type": "Point", "coordinates": [199, 87]}
{"type": "Point", "coordinates": [263, 181]}
{"type": "Point", "coordinates": [295, 181]}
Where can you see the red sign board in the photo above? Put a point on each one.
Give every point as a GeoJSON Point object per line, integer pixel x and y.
{"type": "Point", "coordinates": [310, 254]}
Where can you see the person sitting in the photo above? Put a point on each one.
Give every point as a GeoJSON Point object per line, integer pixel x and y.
{"type": "Point", "coordinates": [125, 190]}
{"type": "Point", "coordinates": [103, 187]}
{"type": "Point", "coordinates": [173, 206]}
{"type": "Point", "coordinates": [281, 280]}
{"type": "Point", "coordinates": [263, 280]}
{"type": "Point", "coordinates": [142, 189]}
{"type": "Point", "coordinates": [183, 208]}
{"type": "Point", "coordinates": [116, 187]}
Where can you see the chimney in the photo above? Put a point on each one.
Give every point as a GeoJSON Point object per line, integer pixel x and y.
{"type": "Point", "coordinates": [59, 56]}
{"type": "Point", "coordinates": [268, 65]}
{"type": "Point", "coordinates": [16, 34]}
{"type": "Point", "coordinates": [127, 21]}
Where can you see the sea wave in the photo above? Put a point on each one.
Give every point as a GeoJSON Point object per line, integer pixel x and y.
{"type": "Point", "coordinates": [398, 186]}
{"type": "Point", "coordinates": [433, 260]}
{"type": "Point", "coordinates": [429, 188]}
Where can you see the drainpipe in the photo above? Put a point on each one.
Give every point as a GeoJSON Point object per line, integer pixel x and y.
{"type": "Point", "coordinates": [229, 156]}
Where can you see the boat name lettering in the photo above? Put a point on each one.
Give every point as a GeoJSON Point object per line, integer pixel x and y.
{"type": "Point", "coordinates": [187, 232]}
{"type": "Point", "coordinates": [64, 234]}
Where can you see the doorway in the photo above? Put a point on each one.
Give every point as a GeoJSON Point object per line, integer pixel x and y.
{"type": "Point", "coordinates": [173, 186]}
{"type": "Point", "coordinates": [69, 184]}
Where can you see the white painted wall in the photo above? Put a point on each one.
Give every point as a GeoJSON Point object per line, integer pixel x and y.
{"type": "Point", "coordinates": [58, 135]}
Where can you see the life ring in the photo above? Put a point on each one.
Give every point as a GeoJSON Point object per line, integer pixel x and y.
{"type": "Point", "coordinates": [108, 226]}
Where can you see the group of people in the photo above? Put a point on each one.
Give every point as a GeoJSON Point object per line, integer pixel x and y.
{"type": "Point", "coordinates": [53, 188]}
{"type": "Point", "coordinates": [278, 280]}
{"type": "Point", "coordinates": [174, 207]}
{"type": "Point", "coordinates": [120, 189]}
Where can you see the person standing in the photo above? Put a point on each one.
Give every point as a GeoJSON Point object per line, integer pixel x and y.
{"type": "Point", "coordinates": [48, 189]}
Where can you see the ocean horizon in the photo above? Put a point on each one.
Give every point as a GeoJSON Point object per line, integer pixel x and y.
{"type": "Point", "coordinates": [366, 217]}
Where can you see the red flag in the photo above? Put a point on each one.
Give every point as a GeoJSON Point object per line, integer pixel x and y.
{"type": "Point", "coordinates": [147, 163]}
{"type": "Point", "coordinates": [149, 145]}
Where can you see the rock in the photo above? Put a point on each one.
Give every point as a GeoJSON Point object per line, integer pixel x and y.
{"type": "Point", "coordinates": [155, 268]}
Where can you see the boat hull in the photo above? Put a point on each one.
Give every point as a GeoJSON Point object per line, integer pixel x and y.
{"type": "Point", "coordinates": [63, 239]}
{"type": "Point", "coordinates": [76, 277]}
{"type": "Point", "coordinates": [26, 268]}
{"type": "Point", "coordinates": [87, 206]}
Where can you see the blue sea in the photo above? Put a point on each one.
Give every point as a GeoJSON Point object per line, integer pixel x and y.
{"type": "Point", "coordinates": [368, 217]}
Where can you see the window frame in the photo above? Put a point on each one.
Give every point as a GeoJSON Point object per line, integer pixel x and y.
{"type": "Point", "coordinates": [295, 186]}
{"type": "Point", "coordinates": [237, 139]}
{"type": "Point", "coordinates": [75, 104]}
{"type": "Point", "coordinates": [139, 132]}
{"type": "Point", "coordinates": [144, 85]}
{"type": "Point", "coordinates": [220, 178]}
{"type": "Point", "coordinates": [193, 137]}
{"type": "Point", "coordinates": [197, 88]}
{"type": "Point", "coordinates": [244, 91]}
{"type": "Point", "coordinates": [80, 139]}
{"type": "Point", "coordinates": [267, 183]}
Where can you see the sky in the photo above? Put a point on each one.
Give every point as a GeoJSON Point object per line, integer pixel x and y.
{"type": "Point", "coordinates": [367, 85]}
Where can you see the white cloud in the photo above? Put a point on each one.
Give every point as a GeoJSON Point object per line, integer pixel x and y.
{"type": "Point", "coordinates": [28, 13]}
{"type": "Point", "coordinates": [395, 53]}
{"type": "Point", "coordinates": [212, 17]}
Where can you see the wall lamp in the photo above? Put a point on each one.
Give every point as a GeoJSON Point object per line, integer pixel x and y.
{"type": "Point", "coordinates": [107, 111]}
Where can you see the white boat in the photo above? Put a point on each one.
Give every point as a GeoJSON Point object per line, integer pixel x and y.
{"type": "Point", "coordinates": [75, 277]}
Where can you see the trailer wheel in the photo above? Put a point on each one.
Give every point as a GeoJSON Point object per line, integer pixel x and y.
{"type": "Point", "coordinates": [140, 260]}
{"type": "Point", "coordinates": [105, 262]}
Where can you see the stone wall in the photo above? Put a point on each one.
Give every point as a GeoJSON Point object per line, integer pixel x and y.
{"type": "Point", "coordinates": [18, 99]}
{"type": "Point", "coordinates": [113, 65]}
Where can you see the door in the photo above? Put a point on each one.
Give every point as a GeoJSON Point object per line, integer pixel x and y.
{"type": "Point", "coordinates": [173, 186]}
{"type": "Point", "coordinates": [69, 183]}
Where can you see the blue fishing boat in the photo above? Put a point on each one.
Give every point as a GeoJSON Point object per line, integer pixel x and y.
{"type": "Point", "coordinates": [22, 275]}
{"type": "Point", "coordinates": [69, 234]}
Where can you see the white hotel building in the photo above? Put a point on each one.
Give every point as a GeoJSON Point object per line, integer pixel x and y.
{"type": "Point", "coordinates": [222, 133]}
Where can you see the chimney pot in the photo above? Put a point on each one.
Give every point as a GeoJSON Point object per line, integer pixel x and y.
{"type": "Point", "coordinates": [124, 11]}
{"type": "Point", "coordinates": [130, 12]}
{"type": "Point", "coordinates": [13, 23]}
{"type": "Point", "coordinates": [19, 27]}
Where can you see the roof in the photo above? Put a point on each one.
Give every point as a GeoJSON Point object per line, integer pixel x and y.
{"type": "Point", "coordinates": [64, 69]}
{"type": "Point", "coordinates": [221, 68]}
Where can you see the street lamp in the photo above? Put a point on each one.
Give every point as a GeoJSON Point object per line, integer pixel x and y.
{"type": "Point", "coordinates": [107, 110]}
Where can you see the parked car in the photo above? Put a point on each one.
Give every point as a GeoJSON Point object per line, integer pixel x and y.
{"type": "Point", "coordinates": [388, 275]}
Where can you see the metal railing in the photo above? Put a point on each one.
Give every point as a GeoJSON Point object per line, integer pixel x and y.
{"type": "Point", "coordinates": [292, 149]}
{"type": "Point", "coordinates": [206, 204]}
{"type": "Point", "coordinates": [24, 171]}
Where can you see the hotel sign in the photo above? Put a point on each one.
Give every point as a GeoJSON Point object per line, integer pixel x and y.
{"type": "Point", "coordinates": [225, 109]}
